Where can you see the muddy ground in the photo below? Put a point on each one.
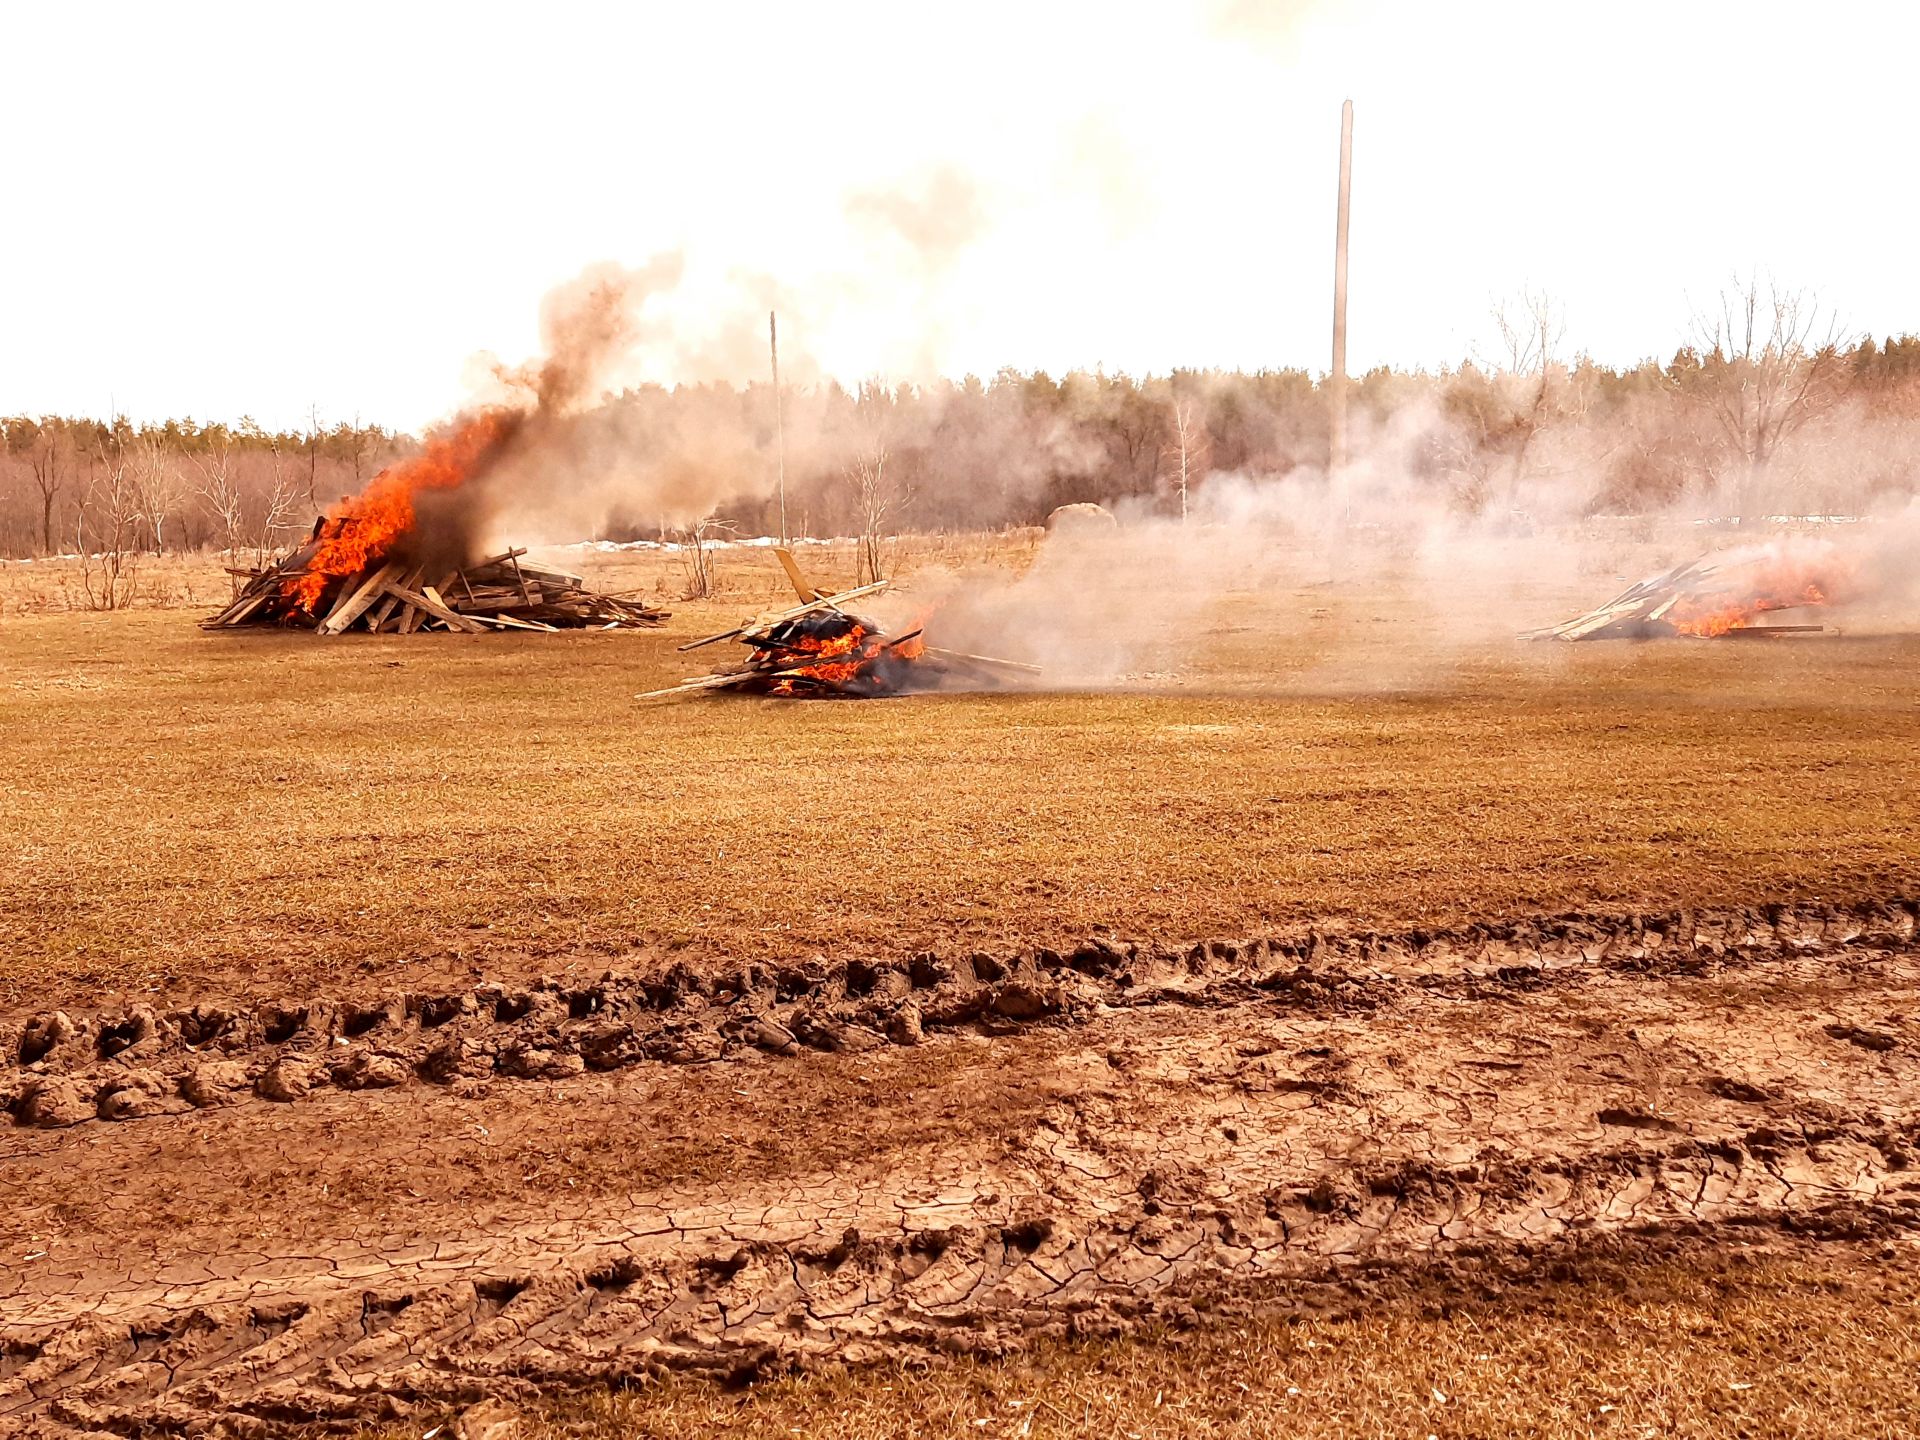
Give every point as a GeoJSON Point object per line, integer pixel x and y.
{"type": "Point", "coordinates": [377, 1204]}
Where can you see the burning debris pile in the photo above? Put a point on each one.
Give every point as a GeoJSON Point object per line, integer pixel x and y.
{"type": "Point", "coordinates": [819, 650]}
{"type": "Point", "coordinates": [393, 597]}
{"type": "Point", "coordinates": [397, 557]}
{"type": "Point", "coordinates": [1711, 597]}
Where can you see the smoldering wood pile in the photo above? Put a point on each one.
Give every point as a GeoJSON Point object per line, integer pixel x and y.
{"type": "Point", "coordinates": [392, 597]}
{"type": "Point", "coordinates": [820, 650]}
{"type": "Point", "coordinates": [1706, 598]}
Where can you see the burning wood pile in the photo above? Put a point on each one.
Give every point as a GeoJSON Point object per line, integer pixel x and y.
{"type": "Point", "coordinates": [395, 597]}
{"type": "Point", "coordinates": [396, 557]}
{"type": "Point", "coordinates": [820, 650]}
{"type": "Point", "coordinates": [1710, 598]}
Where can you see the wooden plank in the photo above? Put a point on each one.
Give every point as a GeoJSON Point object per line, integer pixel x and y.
{"type": "Point", "coordinates": [499, 559]}
{"type": "Point", "coordinates": [505, 623]}
{"type": "Point", "coordinates": [239, 610]}
{"type": "Point", "coordinates": [429, 602]}
{"type": "Point", "coordinates": [705, 682]}
{"type": "Point", "coordinates": [987, 660]}
{"type": "Point", "coordinates": [767, 622]}
{"type": "Point", "coordinates": [388, 606]}
{"type": "Point", "coordinates": [351, 609]}
{"type": "Point", "coordinates": [802, 586]}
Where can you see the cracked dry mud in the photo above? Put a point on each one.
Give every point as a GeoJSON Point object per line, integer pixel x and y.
{"type": "Point", "coordinates": [259, 1214]}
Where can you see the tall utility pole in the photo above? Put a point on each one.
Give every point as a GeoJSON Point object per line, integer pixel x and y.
{"type": "Point", "coordinates": [779, 419]}
{"type": "Point", "coordinates": [1337, 382]}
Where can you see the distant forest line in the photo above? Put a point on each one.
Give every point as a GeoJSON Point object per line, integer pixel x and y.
{"type": "Point", "coordinates": [1774, 423]}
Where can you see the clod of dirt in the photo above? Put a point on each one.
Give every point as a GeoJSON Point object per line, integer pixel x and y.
{"type": "Point", "coordinates": [1021, 1000]}
{"type": "Point", "coordinates": [136, 1093]}
{"type": "Point", "coordinates": [127, 1105]}
{"type": "Point", "coordinates": [823, 1032]}
{"type": "Point", "coordinates": [1331, 1196]}
{"type": "Point", "coordinates": [1864, 1038]}
{"type": "Point", "coordinates": [532, 1062]}
{"type": "Point", "coordinates": [686, 1045]}
{"type": "Point", "coordinates": [1634, 1117]}
{"type": "Point", "coordinates": [1727, 1088]}
{"type": "Point", "coordinates": [903, 1027]}
{"type": "Point", "coordinates": [48, 1103]}
{"type": "Point", "coordinates": [45, 1033]}
{"type": "Point", "coordinates": [489, 1420]}
{"type": "Point", "coordinates": [364, 1070]}
{"type": "Point", "coordinates": [770, 1035]}
{"type": "Point", "coordinates": [287, 1079]}
{"type": "Point", "coordinates": [214, 1082]}
{"type": "Point", "coordinates": [609, 1046]}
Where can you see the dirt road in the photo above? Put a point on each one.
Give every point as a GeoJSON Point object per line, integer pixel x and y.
{"type": "Point", "coordinates": [309, 1209]}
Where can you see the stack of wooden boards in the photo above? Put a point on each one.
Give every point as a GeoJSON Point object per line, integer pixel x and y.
{"type": "Point", "coordinates": [395, 597]}
{"type": "Point", "coordinates": [1672, 603]}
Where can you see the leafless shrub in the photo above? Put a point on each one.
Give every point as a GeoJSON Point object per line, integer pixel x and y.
{"type": "Point", "coordinates": [874, 480]}
{"type": "Point", "coordinates": [699, 556]}
{"type": "Point", "coordinates": [110, 532]}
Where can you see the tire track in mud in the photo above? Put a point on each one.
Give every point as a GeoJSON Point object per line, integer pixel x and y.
{"type": "Point", "coordinates": [1225, 1119]}
{"type": "Point", "coordinates": [60, 1070]}
{"type": "Point", "coordinates": [763, 1300]}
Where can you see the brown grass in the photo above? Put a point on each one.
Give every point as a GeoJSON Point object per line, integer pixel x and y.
{"type": "Point", "coordinates": [1813, 1342]}
{"type": "Point", "coordinates": [186, 810]}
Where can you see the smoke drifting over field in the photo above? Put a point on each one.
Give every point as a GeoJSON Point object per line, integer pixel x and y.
{"type": "Point", "coordinates": [1535, 442]}
{"type": "Point", "coordinates": [1466, 487]}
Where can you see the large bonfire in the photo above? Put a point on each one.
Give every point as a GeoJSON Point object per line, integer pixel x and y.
{"type": "Point", "coordinates": [406, 553]}
{"type": "Point", "coordinates": [392, 559]}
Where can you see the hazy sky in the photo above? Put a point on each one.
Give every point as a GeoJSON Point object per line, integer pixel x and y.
{"type": "Point", "coordinates": [216, 210]}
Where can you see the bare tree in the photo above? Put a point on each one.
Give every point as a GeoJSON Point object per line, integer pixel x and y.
{"type": "Point", "coordinates": [109, 533]}
{"type": "Point", "coordinates": [160, 488]}
{"type": "Point", "coordinates": [1531, 328]}
{"type": "Point", "coordinates": [357, 449]}
{"type": "Point", "coordinates": [50, 448]}
{"type": "Point", "coordinates": [1508, 400]}
{"type": "Point", "coordinates": [875, 480]}
{"type": "Point", "coordinates": [1190, 444]}
{"type": "Point", "coordinates": [219, 489]}
{"type": "Point", "coordinates": [283, 503]}
{"type": "Point", "coordinates": [313, 454]}
{"type": "Point", "coordinates": [874, 499]}
{"type": "Point", "coordinates": [1772, 362]}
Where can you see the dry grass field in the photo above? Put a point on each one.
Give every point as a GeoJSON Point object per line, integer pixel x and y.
{"type": "Point", "coordinates": [261, 809]}
{"type": "Point", "coordinates": [393, 1025]}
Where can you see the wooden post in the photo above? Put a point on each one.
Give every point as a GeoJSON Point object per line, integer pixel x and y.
{"type": "Point", "coordinates": [779, 420]}
{"type": "Point", "coordinates": [1337, 381]}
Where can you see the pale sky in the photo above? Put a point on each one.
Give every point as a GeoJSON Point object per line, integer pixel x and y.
{"type": "Point", "coordinates": [252, 209]}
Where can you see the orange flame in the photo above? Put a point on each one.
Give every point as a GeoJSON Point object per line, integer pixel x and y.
{"type": "Point", "coordinates": [364, 529]}
{"type": "Point", "coordinates": [1777, 582]}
